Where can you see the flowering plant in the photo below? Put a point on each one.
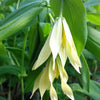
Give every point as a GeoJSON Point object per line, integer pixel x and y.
{"type": "Point", "coordinates": [49, 49]}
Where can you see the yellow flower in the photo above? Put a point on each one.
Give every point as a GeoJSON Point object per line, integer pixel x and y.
{"type": "Point", "coordinates": [58, 46]}
{"type": "Point", "coordinates": [59, 42]}
{"type": "Point", "coordinates": [45, 80]}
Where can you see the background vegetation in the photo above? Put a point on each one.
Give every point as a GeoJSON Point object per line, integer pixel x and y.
{"type": "Point", "coordinates": [24, 27]}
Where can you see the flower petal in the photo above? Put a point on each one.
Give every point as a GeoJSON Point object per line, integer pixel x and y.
{"type": "Point", "coordinates": [70, 47]}
{"type": "Point", "coordinates": [68, 35]}
{"type": "Point", "coordinates": [52, 73]}
{"type": "Point", "coordinates": [62, 71]}
{"type": "Point", "coordinates": [73, 57]}
{"type": "Point", "coordinates": [66, 89]}
{"type": "Point", "coordinates": [67, 31]}
{"type": "Point", "coordinates": [44, 54]}
{"type": "Point", "coordinates": [44, 82]}
{"type": "Point", "coordinates": [55, 39]}
{"type": "Point", "coordinates": [62, 51]}
{"type": "Point", "coordinates": [36, 84]}
{"type": "Point", "coordinates": [53, 93]}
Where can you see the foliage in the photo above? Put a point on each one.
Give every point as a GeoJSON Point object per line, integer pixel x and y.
{"type": "Point", "coordinates": [24, 27]}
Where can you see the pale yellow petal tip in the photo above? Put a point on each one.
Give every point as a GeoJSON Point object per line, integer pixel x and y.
{"type": "Point", "coordinates": [32, 94]}
{"type": "Point", "coordinates": [67, 90]}
{"type": "Point", "coordinates": [33, 68]}
{"type": "Point", "coordinates": [53, 94]}
{"type": "Point", "coordinates": [79, 63]}
{"type": "Point", "coordinates": [78, 70]}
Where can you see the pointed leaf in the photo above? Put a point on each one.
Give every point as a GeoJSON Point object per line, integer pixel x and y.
{"type": "Point", "coordinates": [12, 70]}
{"type": "Point", "coordinates": [18, 20]}
{"type": "Point", "coordinates": [84, 77]}
{"type": "Point", "coordinates": [94, 92]}
{"type": "Point", "coordinates": [93, 42]}
{"type": "Point", "coordinates": [93, 18]}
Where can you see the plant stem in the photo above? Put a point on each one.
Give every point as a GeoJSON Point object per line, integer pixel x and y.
{"type": "Point", "coordinates": [9, 92]}
{"type": "Point", "coordinates": [51, 18]}
{"type": "Point", "coordinates": [61, 8]}
{"type": "Point", "coordinates": [18, 4]}
{"type": "Point", "coordinates": [22, 88]}
{"type": "Point", "coordinates": [22, 65]}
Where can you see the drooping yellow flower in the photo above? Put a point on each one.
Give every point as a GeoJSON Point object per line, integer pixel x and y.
{"type": "Point", "coordinates": [45, 80]}
{"type": "Point", "coordinates": [58, 46]}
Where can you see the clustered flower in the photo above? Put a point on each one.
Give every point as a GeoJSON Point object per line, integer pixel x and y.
{"type": "Point", "coordinates": [58, 47]}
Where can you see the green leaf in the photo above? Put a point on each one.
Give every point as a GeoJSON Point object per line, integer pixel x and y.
{"type": "Point", "coordinates": [94, 92]}
{"type": "Point", "coordinates": [94, 18]}
{"type": "Point", "coordinates": [33, 38]}
{"type": "Point", "coordinates": [88, 54]}
{"type": "Point", "coordinates": [91, 3]}
{"type": "Point", "coordinates": [12, 70]}
{"type": "Point", "coordinates": [97, 75]}
{"type": "Point", "coordinates": [3, 51]}
{"type": "Point", "coordinates": [74, 12]}
{"type": "Point", "coordinates": [46, 28]}
{"type": "Point", "coordinates": [79, 97]}
{"type": "Point", "coordinates": [2, 16]}
{"type": "Point", "coordinates": [19, 19]}
{"type": "Point", "coordinates": [43, 15]}
{"type": "Point", "coordinates": [93, 42]}
{"type": "Point", "coordinates": [84, 78]}
{"type": "Point", "coordinates": [2, 98]}
{"type": "Point", "coordinates": [8, 2]}
{"type": "Point", "coordinates": [2, 79]}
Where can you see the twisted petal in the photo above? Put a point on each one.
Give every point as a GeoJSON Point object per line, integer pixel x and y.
{"type": "Point", "coordinates": [44, 82]}
{"type": "Point", "coordinates": [67, 90]}
{"type": "Point", "coordinates": [53, 94]}
{"type": "Point", "coordinates": [62, 71]}
{"type": "Point", "coordinates": [73, 57]}
{"type": "Point", "coordinates": [71, 50]}
{"type": "Point", "coordinates": [67, 32]}
{"type": "Point", "coordinates": [55, 39]}
{"type": "Point", "coordinates": [63, 51]}
{"type": "Point", "coordinates": [44, 54]}
{"type": "Point", "coordinates": [52, 73]}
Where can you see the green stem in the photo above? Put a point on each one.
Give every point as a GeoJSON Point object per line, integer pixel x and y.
{"type": "Point", "coordinates": [22, 65]}
{"type": "Point", "coordinates": [51, 18]}
{"type": "Point", "coordinates": [22, 88]}
{"type": "Point", "coordinates": [18, 4]}
{"type": "Point", "coordinates": [9, 92]}
{"type": "Point", "coordinates": [61, 8]}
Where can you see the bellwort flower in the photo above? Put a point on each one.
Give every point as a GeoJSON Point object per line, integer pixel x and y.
{"type": "Point", "coordinates": [58, 47]}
